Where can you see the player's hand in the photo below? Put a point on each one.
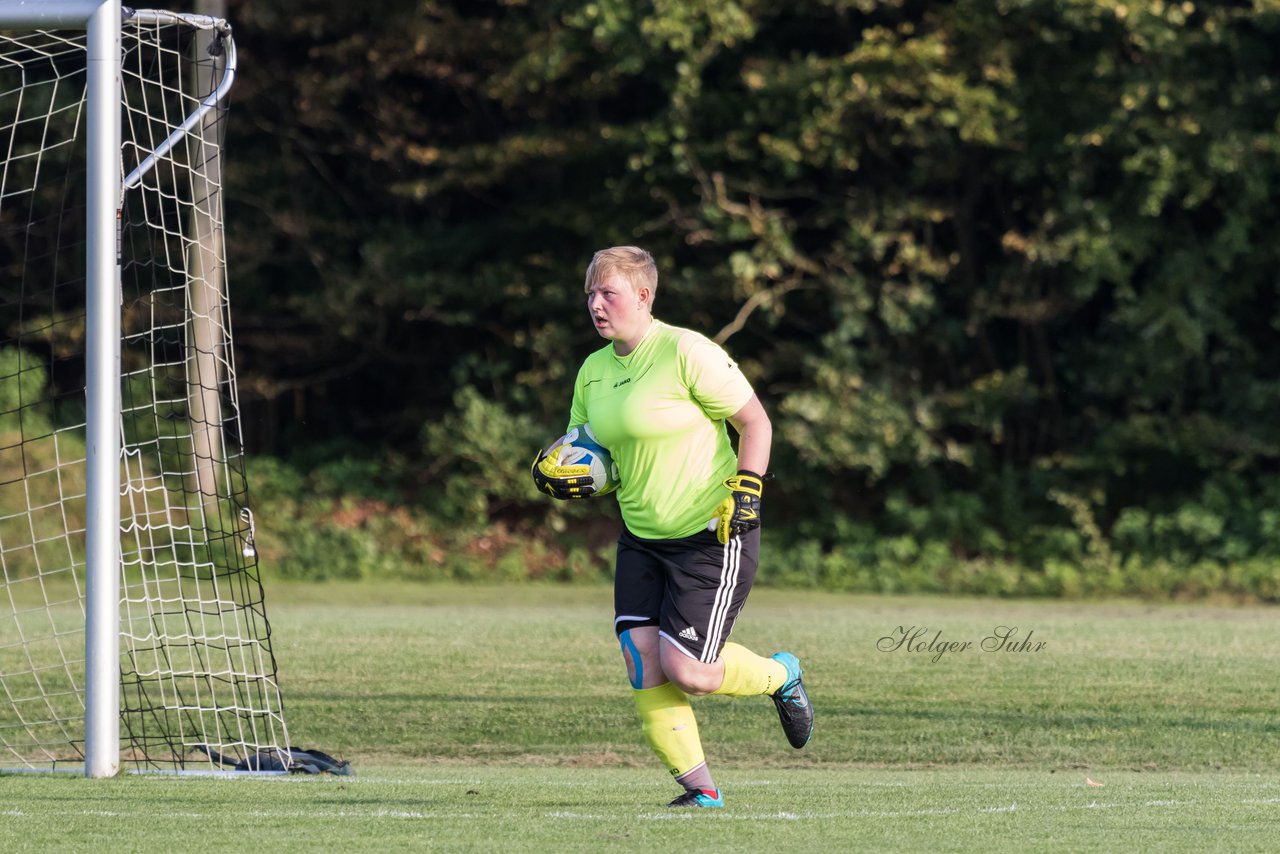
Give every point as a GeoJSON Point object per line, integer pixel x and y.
{"type": "Point", "coordinates": [740, 512]}
{"type": "Point", "coordinates": [563, 482]}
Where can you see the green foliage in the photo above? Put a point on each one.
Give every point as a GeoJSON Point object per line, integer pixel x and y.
{"type": "Point", "coordinates": [1002, 272]}
{"type": "Point", "coordinates": [23, 378]}
{"type": "Point", "coordinates": [468, 515]}
{"type": "Point", "coordinates": [1221, 544]}
{"type": "Point", "coordinates": [478, 457]}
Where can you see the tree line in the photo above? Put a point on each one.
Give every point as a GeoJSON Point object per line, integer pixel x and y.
{"type": "Point", "coordinates": [1004, 273]}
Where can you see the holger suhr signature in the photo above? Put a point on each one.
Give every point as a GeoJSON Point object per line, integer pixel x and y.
{"type": "Point", "coordinates": [919, 639]}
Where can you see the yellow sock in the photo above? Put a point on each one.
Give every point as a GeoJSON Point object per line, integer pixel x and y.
{"type": "Point", "coordinates": [670, 727]}
{"type": "Point", "coordinates": [747, 674]}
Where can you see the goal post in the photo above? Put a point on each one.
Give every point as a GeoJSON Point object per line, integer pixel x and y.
{"type": "Point", "coordinates": [101, 22]}
{"type": "Point", "coordinates": [130, 515]}
{"type": "Point", "coordinates": [102, 397]}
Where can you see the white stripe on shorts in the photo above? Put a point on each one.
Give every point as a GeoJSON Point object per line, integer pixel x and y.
{"type": "Point", "coordinates": [676, 643]}
{"type": "Point", "coordinates": [729, 567]}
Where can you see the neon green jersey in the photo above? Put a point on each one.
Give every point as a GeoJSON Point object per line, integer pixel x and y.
{"type": "Point", "coordinates": [661, 411]}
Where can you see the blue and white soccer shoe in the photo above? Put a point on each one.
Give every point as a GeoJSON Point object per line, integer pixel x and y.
{"type": "Point", "coordinates": [794, 709]}
{"type": "Point", "coordinates": [702, 798]}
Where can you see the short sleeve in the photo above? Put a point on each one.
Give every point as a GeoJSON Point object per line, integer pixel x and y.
{"type": "Point", "coordinates": [578, 409]}
{"type": "Point", "coordinates": [713, 378]}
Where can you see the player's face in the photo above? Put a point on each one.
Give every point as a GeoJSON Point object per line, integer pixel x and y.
{"type": "Point", "coordinates": [617, 311]}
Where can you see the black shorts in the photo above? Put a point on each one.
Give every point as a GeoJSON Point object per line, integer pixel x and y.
{"type": "Point", "coordinates": [691, 588]}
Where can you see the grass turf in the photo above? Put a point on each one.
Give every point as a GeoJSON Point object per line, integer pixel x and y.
{"type": "Point", "coordinates": [500, 719]}
{"type": "Point", "coordinates": [491, 808]}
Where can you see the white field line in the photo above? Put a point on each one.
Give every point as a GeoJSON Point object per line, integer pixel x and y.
{"type": "Point", "coordinates": [267, 814]}
{"type": "Point", "coordinates": [681, 815]}
{"type": "Point", "coordinates": [362, 779]}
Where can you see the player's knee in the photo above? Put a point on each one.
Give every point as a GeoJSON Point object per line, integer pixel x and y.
{"type": "Point", "coordinates": [692, 677]}
{"type": "Point", "coordinates": [695, 685]}
{"type": "Point", "coordinates": [630, 654]}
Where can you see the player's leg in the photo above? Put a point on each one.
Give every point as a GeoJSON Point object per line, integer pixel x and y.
{"type": "Point", "coordinates": [736, 672]}
{"type": "Point", "coordinates": [703, 602]}
{"type": "Point", "coordinates": [706, 593]}
{"type": "Point", "coordinates": [666, 718]}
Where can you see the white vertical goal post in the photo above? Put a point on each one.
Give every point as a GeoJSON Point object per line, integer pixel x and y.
{"type": "Point", "coordinates": [133, 625]}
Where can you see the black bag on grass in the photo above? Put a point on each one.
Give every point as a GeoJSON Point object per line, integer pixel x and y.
{"type": "Point", "coordinates": [295, 760]}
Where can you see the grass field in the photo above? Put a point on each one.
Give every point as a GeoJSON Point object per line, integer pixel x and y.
{"type": "Point", "coordinates": [499, 719]}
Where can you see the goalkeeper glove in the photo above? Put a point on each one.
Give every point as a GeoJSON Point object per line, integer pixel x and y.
{"type": "Point", "coordinates": [563, 482]}
{"type": "Point", "coordinates": [740, 512]}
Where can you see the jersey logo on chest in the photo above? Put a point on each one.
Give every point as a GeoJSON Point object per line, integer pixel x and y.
{"type": "Point", "coordinates": [622, 382]}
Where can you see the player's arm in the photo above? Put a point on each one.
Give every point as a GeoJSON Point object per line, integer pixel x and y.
{"type": "Point", "coordinates": [740, 512]}
{"type": "Point", "coordinates": [755, 436]}
{"type": "Point", "coordinates": [564, 482]}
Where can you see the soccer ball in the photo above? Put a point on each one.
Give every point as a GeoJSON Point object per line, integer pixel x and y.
{"type": "Point", "coordinates": [581, 447]}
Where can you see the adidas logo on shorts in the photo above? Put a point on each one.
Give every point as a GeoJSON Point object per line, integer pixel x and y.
{"type": "Point", "coordinates": [689, 634]}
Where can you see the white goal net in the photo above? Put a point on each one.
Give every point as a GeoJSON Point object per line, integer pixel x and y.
{"type": "Point", "coordinates": [197, 668]}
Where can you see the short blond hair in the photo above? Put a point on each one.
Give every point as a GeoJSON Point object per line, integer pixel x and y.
{"type": "Point", "coordinates": [631, 262]}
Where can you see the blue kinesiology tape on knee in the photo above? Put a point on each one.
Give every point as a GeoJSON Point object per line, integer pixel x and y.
{"type": "Point", "coordinates": [637, 667]}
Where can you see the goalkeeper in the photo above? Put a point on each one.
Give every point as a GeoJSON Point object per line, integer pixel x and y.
{"type": "Point", "coordinates": [658, 398]}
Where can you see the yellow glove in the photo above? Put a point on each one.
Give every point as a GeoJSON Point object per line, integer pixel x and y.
{"type": "Point", "coordinates": [563, 482]}
{"type": "Point", "coordinates": [740, 512]}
